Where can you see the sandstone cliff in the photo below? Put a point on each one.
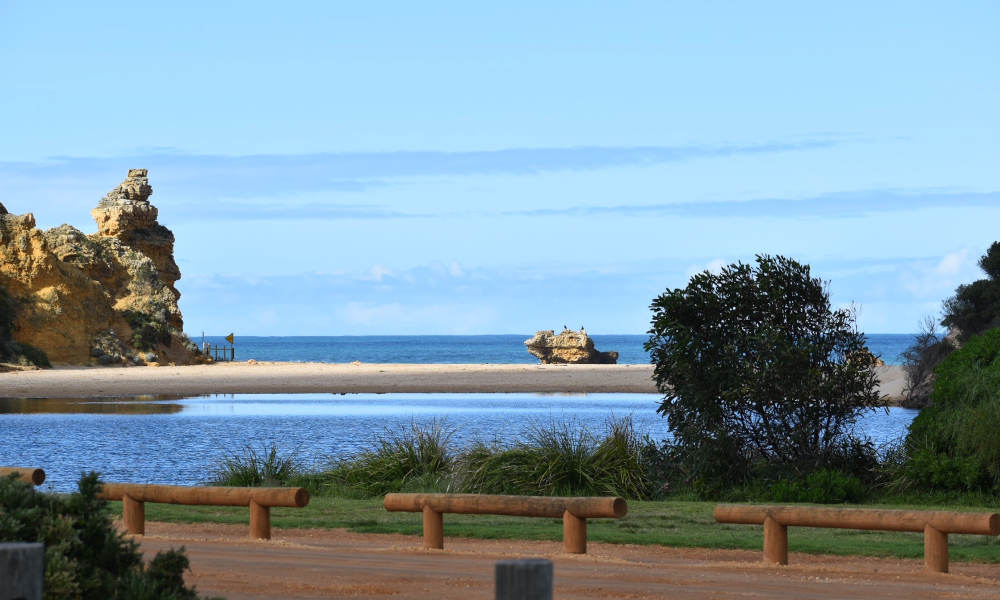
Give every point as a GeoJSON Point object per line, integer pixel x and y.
{"type": "Point", "coordinates": [574, 347]}
{"type": "Point", "coordinates": [105, 298]}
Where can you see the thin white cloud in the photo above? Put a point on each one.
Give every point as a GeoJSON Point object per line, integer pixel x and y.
{"type": "Point", "coordinates": [939, 278]}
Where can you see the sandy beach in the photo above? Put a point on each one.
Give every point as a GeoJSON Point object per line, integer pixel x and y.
{"type": "Point", "coordinates": [338, 378]}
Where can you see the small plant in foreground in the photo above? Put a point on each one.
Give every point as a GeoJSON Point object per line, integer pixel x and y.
{"type": "Point", "coordinates": [251, 468]}
{"type": "Point", "coordinates": [85, 557]}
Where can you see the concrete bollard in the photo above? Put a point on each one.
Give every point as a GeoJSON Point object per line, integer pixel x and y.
{"type": "Point", "coordinates": [21, 571]}
{"type": "Point", "coordinates": [523, 579]}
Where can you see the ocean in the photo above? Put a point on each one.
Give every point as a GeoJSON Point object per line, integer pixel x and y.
{"type": "Point", "coordinates": [472, 349]}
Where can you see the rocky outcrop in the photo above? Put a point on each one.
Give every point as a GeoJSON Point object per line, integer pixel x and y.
{"type": "Point", "coordinates": [568, 347]}
{"type": "Point", "coordinates": [105, 298]}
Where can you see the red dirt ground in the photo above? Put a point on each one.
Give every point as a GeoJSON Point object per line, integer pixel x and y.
{"type": "Point", "coordinates": [334, 563]}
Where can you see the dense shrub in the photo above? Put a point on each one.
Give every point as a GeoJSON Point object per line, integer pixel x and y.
{"type": "Point", "coordinates": [147, 331]}
{"type": "Point", "coordinates": [85, 557]}
{"type": "Point", "coordinates": [756, 367]}
{"type": "Point", "coordinates": [825, 486]}
{"type": "Point", "coordinates": [34, 356]}
{"type": "Point", "coordinates": [953, 444]}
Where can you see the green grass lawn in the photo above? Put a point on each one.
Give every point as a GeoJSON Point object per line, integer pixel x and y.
{"type": "Point", "coordinates": [667, 523]}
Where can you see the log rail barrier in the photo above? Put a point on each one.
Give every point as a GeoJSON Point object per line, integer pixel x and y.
{"type": "Point", "coordinates": [259, 499]}
{"type": "Point", "coordinates": [27, 474]}
{"type": "Point", "coordinates": [935, 525]}
{"type": "Point", "coordinates": [574, 512]}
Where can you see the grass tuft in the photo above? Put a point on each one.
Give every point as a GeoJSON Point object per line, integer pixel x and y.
{"type": "Point", "coordinates": [249, 467]}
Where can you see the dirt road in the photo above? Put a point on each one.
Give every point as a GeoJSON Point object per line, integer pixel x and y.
{"type": "Point", "coordinates": [321, 563]}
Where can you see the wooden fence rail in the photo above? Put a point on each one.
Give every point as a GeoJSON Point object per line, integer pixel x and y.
{"type": "Point", "coordinates": [574, 512]}
{"type": "Point", "coordinates": [935, 525]}
{"type": "Point", "coordinates": [260, 500]}
{"type": "Point", "coordinates": [26, 474]}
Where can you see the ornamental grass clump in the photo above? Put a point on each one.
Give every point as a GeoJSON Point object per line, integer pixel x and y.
{"type": "Point", "coordinates": [559, 459]}
{"type": "Point", "coordinates": [409, 458]}
{"type": "Point", "coordinates": [249, 467]}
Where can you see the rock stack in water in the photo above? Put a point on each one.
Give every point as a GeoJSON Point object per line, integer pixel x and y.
{"type": "Point", "coordinates": [568, 347]}
{"type": "Point", "coordinates": [106, 298]}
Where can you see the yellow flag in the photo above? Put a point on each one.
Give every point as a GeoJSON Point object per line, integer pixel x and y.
{"type": "Point", "coordinates": [229, 338]}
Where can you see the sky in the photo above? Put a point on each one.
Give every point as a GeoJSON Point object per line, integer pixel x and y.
{"type": "Point", "coordinates": [377, 168]}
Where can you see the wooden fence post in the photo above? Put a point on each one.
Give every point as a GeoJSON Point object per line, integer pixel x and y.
{"type": "Point", "coordinates": [935, 550]}
{"type": "Point", "coordinates": [260, 521]}
{"type": "Point", "coordinates": [523, 579]}
{"type": "Point", "coordinates": [574, 534]}
{"type": "Point", "coordinates": [134, 515]}
{"type": "Point", "coordinates": [433, 528]}
{"type": "Point", "coordinates": [775, 541]}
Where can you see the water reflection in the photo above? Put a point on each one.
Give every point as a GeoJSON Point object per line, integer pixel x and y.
{"type": "Point", "coordinates": [137, 405]}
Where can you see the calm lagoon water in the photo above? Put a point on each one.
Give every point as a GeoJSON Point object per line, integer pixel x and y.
{"type": "Point", "coordinates": [177, 441]}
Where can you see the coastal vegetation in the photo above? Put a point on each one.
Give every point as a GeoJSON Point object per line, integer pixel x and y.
{"type": "Point", "coordinates": [85, 556]}
{"type": "Point", "coordinates": [553, 459]}
{"type": "Point", "coordinates": [972, 310]}
{"type": "Point", "coordinates": [953, 443]}
{"type": "Point", "coordinates": [250, 467]}
{"type": "Point", "coordinates": [762, 382]}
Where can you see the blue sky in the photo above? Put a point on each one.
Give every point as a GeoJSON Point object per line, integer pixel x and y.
{"type": "Point", "coordinates": [405, 168]}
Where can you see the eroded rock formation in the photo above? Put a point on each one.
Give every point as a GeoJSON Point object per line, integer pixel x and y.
{"type": "Point", "coordinates": [572, 347]}
{"type": "Point", "coordinates": [107, 297]}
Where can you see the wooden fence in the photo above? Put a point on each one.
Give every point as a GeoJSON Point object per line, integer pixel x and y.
{"type": "Point", "coordinates": [26, 474]}
{"type": "Point", "coordinates": [574, 512]}
{"type": "Point", "coordinates": [260, 500]}
{"type": "Point", "coordinates": [935, 525]}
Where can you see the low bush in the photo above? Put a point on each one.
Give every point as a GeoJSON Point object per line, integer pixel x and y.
{"type": "Point", "coordinates": [825, 486]}
{"type": "Point", "coordinates": [147, 331]}
{"type": "Point", "coordinates": [34, 355]}
{"type": "Point", "coordinates": [85, 557]}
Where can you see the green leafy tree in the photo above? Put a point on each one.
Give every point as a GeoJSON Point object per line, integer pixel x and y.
{"type": "Point", "coordinates": [975, 307]}
{"type": "Point", "coordinates": [757, 369]}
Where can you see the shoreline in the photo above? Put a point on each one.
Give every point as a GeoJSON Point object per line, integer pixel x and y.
{"type": "Point", "coordinates": [348, 378]}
